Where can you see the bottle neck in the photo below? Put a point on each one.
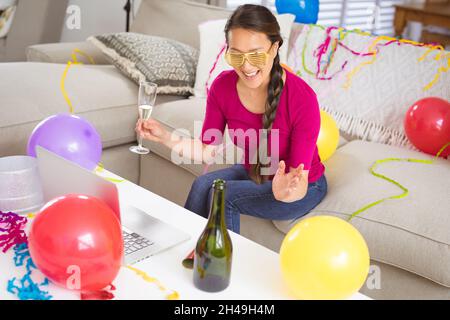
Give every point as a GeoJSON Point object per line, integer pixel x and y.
{"type": "Point", "coordinates": [217, 212]}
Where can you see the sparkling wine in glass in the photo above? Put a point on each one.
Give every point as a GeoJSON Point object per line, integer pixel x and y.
{"type": "Point", "coordinates": [146, 101]}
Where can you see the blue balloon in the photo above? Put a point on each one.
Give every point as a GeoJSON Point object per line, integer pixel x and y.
{"type": "Point", "coordinates": [305, 11]}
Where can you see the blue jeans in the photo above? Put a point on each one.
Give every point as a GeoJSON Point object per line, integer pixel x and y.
{"type": "Point", "coordinates": [243, 196]}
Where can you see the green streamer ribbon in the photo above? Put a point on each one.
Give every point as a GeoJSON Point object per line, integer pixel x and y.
{"type": "Point", "coordinates": [304, 53]}
{"type": "Point", "coordinates": [404, 189]}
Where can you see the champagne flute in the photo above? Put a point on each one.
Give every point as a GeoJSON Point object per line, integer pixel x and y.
{"type": "Point", "coordinates": [146, 101]}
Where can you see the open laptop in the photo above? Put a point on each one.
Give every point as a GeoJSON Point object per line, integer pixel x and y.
{"type": "Point", "coordinates": [143, 234]}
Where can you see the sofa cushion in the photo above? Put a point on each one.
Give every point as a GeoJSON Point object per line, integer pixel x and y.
{"type": "Point", "coordinates": [62, 52]}
{"type": "Point", "coordinates": [411, 233]}
{"type": "Point", "coordinates": [168, 63]}
{"type": "Point", "coordinates": [100, 94]}
{"type": "Point", "coordinates": [175, 19]}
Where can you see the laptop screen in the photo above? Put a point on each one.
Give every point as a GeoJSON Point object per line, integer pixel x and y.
{"type": "Point", "coordinates": [60, 177]}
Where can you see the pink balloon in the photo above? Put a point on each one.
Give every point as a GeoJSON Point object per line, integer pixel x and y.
{"type": "Point", "coordinates": [76, 241]}
{"type": "Point", "coordinates": [427, 125]}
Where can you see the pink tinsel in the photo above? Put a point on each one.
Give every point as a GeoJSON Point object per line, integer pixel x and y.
{"type": "Point", "coordinates": [105, 294]}
{"type": "Point", "coordinates": [11, 230]}
{"type": "Point", "coordinates": [224, 46]}
{"type": "Point", "coordinates": [320, 51]}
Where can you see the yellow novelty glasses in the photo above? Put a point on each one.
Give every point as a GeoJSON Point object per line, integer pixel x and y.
{"type": "Point", "coordinates": [257, 59]}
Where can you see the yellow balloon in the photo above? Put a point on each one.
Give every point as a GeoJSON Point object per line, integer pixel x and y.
{"type": "Point", "coordinates": [324, 257]}
{"type": "Point", "coordinates": [328, 139]}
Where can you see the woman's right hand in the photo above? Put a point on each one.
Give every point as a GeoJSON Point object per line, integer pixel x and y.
{"type": "Point", "coordinates": [151, 130]}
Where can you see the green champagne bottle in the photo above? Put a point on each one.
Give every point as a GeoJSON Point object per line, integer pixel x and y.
{"type": "Point", "coordinates": [214, 251]}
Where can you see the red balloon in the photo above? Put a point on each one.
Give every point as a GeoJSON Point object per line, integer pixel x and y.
{"type": "Point", "coordinates": [427, 125]}
{"type": "Point", "coordinates": [76, 241]}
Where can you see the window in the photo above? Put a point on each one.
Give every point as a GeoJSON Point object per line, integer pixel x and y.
{"type": "Point", "coordinates": [375, 16]}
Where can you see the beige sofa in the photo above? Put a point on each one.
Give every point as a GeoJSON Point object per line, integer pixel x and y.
{"type": "Point", "coordinates": [410, 262]}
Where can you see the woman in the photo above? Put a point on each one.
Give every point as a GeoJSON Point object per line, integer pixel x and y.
{"type": "Point", "coordinates": [257, 94]}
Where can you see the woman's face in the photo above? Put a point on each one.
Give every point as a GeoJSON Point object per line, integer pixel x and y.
{"type": "Point", "coordinates": [245, 41]}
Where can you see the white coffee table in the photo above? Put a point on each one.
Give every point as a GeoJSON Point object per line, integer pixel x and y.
{"type": "Point", "coordinates": [255, 273]}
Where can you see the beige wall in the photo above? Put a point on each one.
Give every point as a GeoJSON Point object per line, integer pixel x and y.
{"type": "Point", "coordinates": [220, 3]}
{"type": "Point", "coordinates": [97, 17]}
{"type": "Point", "coordinates": [35, 21]}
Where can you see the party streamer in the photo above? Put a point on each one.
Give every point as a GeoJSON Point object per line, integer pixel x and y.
{"type": "Point", "coordinates": [26, 289]}
{"type": "Point", "coordinates": [105, 294]}
{"type": "Point", "coordinates": [12, 234]}
{"type": "Point", "coordinates": [31, 215]}
{"type": "Point", "coordinates": [404, 189]}
{"type": "Point", "coordinates": [373, 50]}
{"type": "Point", "coordinates": [321, 50]}
{"type": "Point", "coordinates": [308, 32]}
{"type": "Point", "coordinates": [342, 33]}
{"type": "Point", "coordinates": [333, 51]}
{"type": "Point", "coordinates": [431, 49]}
{"type": "Point", "coordinates": [439, 72]}
{"type": "Point", "coordinates": [100, 168]}
{"type": "Point", "coordinates": [12, 226]}
{"type": "Point", "coordinates": [66, 70]}
{"type": "Point", "coordinates": [172, 296]}
{"type": "Point", "coordinates": [222, 49]}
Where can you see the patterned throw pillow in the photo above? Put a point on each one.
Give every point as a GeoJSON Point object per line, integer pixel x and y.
{"type": "Point", "coordinates": [168, 63]}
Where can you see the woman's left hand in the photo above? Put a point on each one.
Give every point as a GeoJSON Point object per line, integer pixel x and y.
{"type": "Point", "coordinates": [284, 185]}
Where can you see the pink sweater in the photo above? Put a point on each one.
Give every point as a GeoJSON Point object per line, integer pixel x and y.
{"type": "Point", "coordinates": [297, 120]}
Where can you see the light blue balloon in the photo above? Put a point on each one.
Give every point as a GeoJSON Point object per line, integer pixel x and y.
{"type": "Point", "coordinates": [305, 11]}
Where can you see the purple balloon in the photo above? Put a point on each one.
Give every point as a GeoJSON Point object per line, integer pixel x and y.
{"type": "Point", "coordinates": [69, 136]}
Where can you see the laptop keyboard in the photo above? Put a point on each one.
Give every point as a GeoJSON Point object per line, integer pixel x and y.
{"type": "Point", "coordinates": [134, 242]}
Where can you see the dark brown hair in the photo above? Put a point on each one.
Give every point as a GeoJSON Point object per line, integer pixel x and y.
{"type": "Point", "coordinates": [260, 19]}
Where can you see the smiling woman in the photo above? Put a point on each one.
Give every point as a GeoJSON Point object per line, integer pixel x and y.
{"type": "Point", "coordinates": [260, 82]}
{"type": "Point", "coordinates": [282, 178]}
